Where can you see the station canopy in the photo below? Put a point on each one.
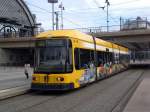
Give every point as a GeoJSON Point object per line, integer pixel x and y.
{"type": "Point", "coordinates": [16, 12]}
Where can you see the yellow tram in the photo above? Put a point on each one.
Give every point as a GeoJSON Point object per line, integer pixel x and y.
{"type": "Point", "coordinates": [68, 59]}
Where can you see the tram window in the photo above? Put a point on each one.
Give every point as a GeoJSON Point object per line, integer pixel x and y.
{"type": "Point", "coordinates": [91, 55]}
{"type": "Point", "coordinates": [116, 58]}
{"type": "Point", "coordinates": [105, 57]}
{"type": "Point", "coordinates": [77, 58]}
{"type": "Point", "coordinates": [113, 57]}
{"type": "Point", "coordinates": [124, 57]}
{"type": "Point", "coordinates": [110, 57]}
{"type": "Point", "coordinates": [11, 58]}
{"type": "Point", "coordinates": [100, 57]}
{"type": "Point", "coordinates": [83, 57]}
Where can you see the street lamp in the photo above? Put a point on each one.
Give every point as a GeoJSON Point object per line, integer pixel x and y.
{"type": "Point", "coordinates": [53, 2]}
{"type": "Point", "coordinates": [102, 7]}
{"type": "Point", "coordinates": [108, 4]}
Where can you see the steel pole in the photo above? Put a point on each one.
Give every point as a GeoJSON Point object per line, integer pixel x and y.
{"type": "Point", "coordinates": [62, 8]}
{"type": "Point", "coordinates": [62, 18]}
{"type": "Point", "coordinates": [107, 19]}
{"type": "Point", "coordinates": [57, 21]}
{"type": "Point", "coordinates": [53, 16]}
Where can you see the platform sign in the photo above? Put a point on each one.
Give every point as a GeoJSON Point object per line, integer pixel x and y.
{"type": "Point", "coordinates": [52, 1]}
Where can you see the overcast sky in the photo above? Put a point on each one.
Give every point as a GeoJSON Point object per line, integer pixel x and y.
{"type": "Point", "coordinates": [85, 13]}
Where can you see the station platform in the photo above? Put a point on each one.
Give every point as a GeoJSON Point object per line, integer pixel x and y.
{"type": "Point", "coordinates": [140, 101]}
{"type": "Point", "coordinates": [13, 81]}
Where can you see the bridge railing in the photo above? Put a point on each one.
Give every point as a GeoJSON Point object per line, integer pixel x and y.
{"type": "Point", "coordinates": [112, 28]}
{"type": "Point", "coordinates": [16, 34]}
{"type": "Point", "coordinates": [124, 25]}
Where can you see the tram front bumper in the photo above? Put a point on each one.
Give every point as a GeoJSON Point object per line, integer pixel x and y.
{"type": "Point", "coordinates": [48, 87]}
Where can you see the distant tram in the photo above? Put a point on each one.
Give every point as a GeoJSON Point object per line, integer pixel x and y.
{"type": "Point", "coordinates": [69, 59]}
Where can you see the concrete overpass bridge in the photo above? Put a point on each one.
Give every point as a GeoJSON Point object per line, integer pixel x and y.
{"type": "Point", "coordinates": [133, 39]}
{"type": "Point", "coordinates": [25, 42]}
{"type": "Point", "coordinates": [17, 51]}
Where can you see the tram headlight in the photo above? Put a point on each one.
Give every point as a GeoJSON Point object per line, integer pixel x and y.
{"type": "Point", "coordinates": [60, 79]}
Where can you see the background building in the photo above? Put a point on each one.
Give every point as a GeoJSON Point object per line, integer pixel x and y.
{"type": "Point", "coordinates": [134, 24]}
{"type": "Point", "coordinates": [16, 21]}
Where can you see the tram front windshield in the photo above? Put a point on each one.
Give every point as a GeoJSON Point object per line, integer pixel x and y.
{"type": "Point", "coordinates": [54, 56]}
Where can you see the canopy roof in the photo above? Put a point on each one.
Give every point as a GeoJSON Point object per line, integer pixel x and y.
{"type": "Point", "coordinates": [16, 12]}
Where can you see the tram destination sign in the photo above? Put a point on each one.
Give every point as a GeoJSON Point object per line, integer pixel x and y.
{"type": "Point", "coordinates": [52, 1]}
